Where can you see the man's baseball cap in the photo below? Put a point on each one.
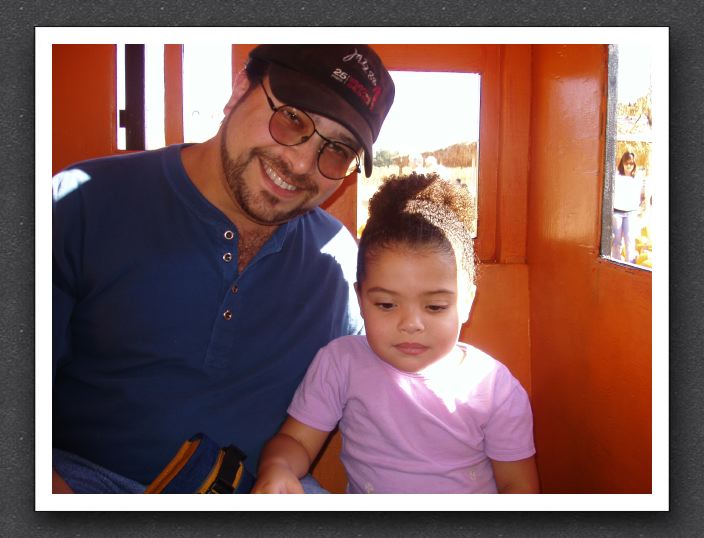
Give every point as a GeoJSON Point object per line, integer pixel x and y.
{"type": "Point", "coordinates": [346, 83]}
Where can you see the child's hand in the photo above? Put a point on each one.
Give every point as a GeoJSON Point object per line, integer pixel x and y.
{"type": "Point", "coordinates": [287, 456]}
{"type": "Point", "coordinates": [277, 479]}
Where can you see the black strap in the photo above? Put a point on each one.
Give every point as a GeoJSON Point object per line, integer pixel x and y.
{"type": "Point", "coordinates": [225, 480]}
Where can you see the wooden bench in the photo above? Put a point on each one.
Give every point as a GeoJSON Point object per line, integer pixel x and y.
{"type": "Point", "coordinates": [328, 469]}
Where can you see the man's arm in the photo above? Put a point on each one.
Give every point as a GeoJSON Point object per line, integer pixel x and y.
{"type": "Point", "coordinates": [519, 476]}
{"type": "Point", "coordinates": [62, 307]}
{"type": "Point", "coordinates": [287, 457]}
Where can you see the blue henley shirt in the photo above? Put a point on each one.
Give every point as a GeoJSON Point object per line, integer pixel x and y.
{"type": "Point", "coordinates": [157, 336]}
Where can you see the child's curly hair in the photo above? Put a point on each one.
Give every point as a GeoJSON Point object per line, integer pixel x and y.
{"type": "Point", "coordinates": [420, 210]}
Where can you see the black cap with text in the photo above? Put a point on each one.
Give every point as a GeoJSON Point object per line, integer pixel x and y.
{"type": "Point", "coordinates": [346, 83]}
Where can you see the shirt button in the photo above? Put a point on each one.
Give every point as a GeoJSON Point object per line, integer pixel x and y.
{"type": "Point", "coordinates": [227, 257]}
{"type": "Point", "coordinates": [229, 235]}
{"type": "Point", "coordinates": [227, 315]}
{"type": "Point", "coordinates": [234, 289]}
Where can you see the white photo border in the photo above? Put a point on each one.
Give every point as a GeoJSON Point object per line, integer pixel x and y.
{"type": "Point", "coordinates": [655, 37]}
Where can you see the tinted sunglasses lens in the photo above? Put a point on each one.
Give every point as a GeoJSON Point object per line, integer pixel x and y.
{"type": "Point", "coordinates": [337, 161]}
{"type": "Point", "coordinates": [289, 126]}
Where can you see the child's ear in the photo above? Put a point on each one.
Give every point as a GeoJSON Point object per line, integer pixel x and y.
{"type": "Point", "coordinates": [466, 301]}
{"type": "Point", "coordinates": [358, 291]}
{"type": "Point", "coordinates": [239, 87]}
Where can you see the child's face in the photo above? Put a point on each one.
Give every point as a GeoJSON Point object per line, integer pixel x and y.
{"type": "Point", "coordinates": [412, 306]}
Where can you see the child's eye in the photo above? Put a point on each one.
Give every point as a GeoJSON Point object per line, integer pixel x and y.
{"type": "Point", "coordinates": [384, 306]}
{"type": "Point", "coordinates": [436, 308]}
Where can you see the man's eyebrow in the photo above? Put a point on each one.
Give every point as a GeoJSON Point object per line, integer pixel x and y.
{"type": "Point", "coordinates": [350, 140]}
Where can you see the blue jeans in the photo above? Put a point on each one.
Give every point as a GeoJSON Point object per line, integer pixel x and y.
{"type": "Point", "coordinates": [84, 476]}
{"type": "Point", "coordinates": [621, 225]}
{"type": "Point", "coordinates": [311, 485]}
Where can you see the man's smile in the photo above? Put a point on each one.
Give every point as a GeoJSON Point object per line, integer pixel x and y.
{"type": "Point", "coordinates": [276, 179]}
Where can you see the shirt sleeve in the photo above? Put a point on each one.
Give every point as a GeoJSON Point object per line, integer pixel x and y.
{"type": "Point", "coordinates": [62, 307]}
{"type": "Point", "coordinates": [509, 430]}
{"type": "Point", "coordinates": [66, 255]}
{"type": "Point", "coordinates": [319, 399]}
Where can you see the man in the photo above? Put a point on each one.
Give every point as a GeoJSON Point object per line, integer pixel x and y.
{"type": "Point", "coordinates": [194, 284]}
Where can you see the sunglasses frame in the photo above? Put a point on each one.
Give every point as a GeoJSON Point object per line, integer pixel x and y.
{"type": "Point", "coordinates": [328, 141]}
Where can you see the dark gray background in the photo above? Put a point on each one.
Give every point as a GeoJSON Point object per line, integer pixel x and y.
{"type": "Point", "coordinates": [18, 19]}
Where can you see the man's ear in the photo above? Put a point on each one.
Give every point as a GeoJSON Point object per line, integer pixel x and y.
{"type": "Point", "coordinates": [466, 302]}
{"type": "Point", "coordinates": [239, 88]}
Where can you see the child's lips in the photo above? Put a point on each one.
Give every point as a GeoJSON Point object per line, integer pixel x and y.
{"type": "Point", "coordinates": [411, 348]}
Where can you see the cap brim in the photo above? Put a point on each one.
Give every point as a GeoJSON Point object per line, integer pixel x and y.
{"type": "Point", "coordinates": [293, 88]}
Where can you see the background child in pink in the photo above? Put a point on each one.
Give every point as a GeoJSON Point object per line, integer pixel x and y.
{"type": "Point", "coordinates": [419, 412]}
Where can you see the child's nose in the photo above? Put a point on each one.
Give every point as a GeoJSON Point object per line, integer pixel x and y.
{"type": "Point", "coordinates": [410, 321]}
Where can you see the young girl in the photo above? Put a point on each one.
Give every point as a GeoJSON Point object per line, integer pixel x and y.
{"type": "Point", "coordinates": [419, 412]}
{"type": "Point", "coordinates": [628, 194]}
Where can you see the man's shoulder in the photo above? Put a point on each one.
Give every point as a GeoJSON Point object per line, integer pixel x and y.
{"type": "Point", "coordinates": [109, 174]}
{"type": "Point", "coordinates": [330, 236]}
{"type": "Point", "coordinates": [320, 218]}
{"type": "Point", "coordinates": [119, 160]}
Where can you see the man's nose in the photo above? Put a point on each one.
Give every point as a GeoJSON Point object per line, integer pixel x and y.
{"type": "Point", "coordinates": [304, 157]}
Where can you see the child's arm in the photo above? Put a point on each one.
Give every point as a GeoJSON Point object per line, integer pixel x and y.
{"type": "Point", "coordinates": [519, 476]}
{"type": "Point", "coordinates": [287, 457]}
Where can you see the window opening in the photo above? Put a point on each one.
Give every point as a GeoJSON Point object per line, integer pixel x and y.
{"type": "Point", "coordinates": [628, 186]}
{"type": "Point", "coordinates": [154, 125]}
{"type": "Point", "coordinates": [131, 107]}
{"type": "Point", "coordinates": [120, 80]}
{"type": "Point", "coordinates": [140, 97]}
{"type": "Point", "coordinates": [203, 103]}
{"type": "Point", "coordinates": [433, 126]}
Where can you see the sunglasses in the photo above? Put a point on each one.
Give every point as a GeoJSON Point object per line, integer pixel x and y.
{"type": "Point", "coordinates": [290, 126]}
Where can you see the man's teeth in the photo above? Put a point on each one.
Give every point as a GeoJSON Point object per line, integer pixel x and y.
{"type": "Point", "coordinates": [277, 180]}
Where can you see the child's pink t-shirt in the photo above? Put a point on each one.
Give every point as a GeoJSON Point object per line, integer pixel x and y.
{"type": "Point", "coordinates": [430, 432]}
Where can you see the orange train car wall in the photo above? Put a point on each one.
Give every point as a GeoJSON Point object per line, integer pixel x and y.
{"type": "Point", "coordinates": [546, 301]}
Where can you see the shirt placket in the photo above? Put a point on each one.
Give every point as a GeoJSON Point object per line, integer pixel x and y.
{"type": "Point", "coordinates": [221, 338]}
{"type": "Point", "coordinates": [229, 258]}
{"type": "Point", "coordinates": [222, 348]}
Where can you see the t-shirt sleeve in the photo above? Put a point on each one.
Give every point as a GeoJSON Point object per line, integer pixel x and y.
{"type": "Point", "coordinates": [508, 435]}
{"type": "Point", "coordinates": [66, 258]}
{"type": "Point", "coordinates": [319, 399]}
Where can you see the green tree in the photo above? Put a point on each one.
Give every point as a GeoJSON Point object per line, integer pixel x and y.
{"type": "Point", "coordinates": [384, 157]}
